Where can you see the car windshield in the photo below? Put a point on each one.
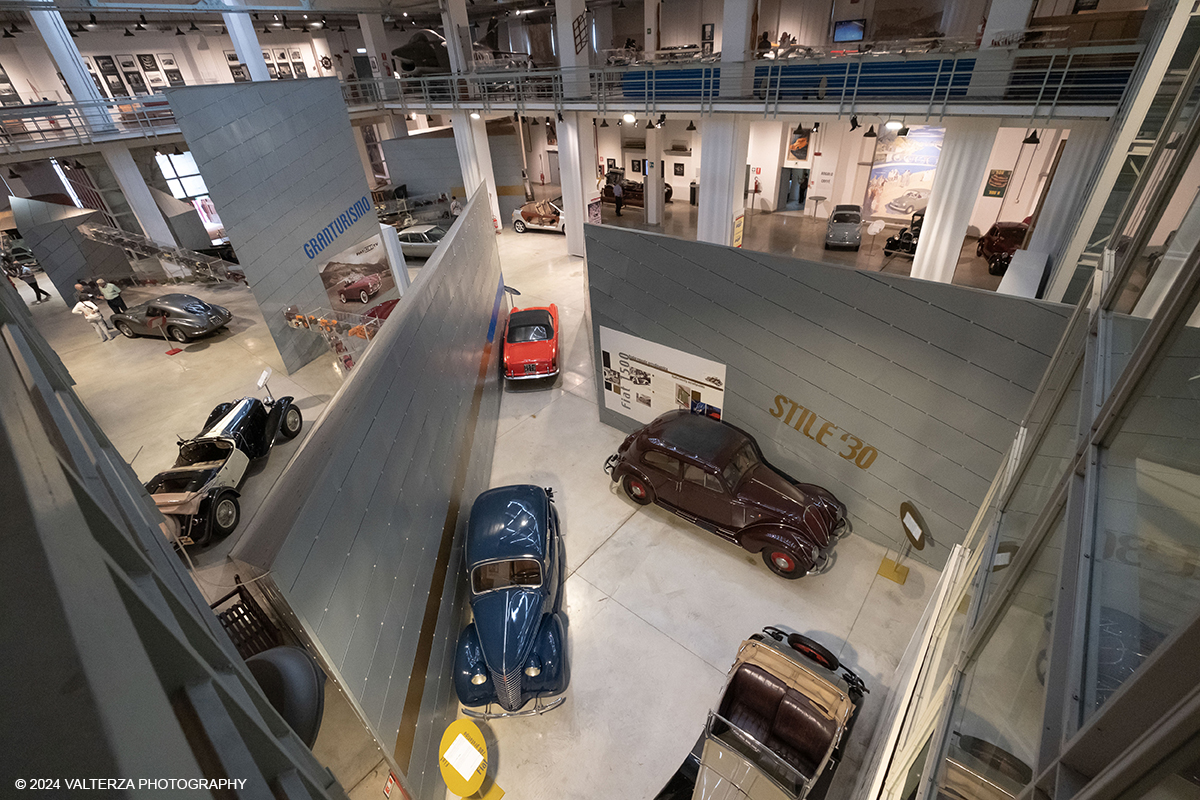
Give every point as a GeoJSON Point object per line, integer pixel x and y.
{"type": "Point", "coordinates": [435, 234]}
{"type": "Point", "coordinates": [200, 451]}
{"type": "Point", "coordinates": [557, 202]}
{"type": "Point", "coordinates": [506, 574]}
{"type": "Point", "coordinates": [529, 333]}
{"type": "Point", "coordinates": [198, 307]}
{"type": "Point", "coordinates": [845, 217]}
{"type": "Point", "coordinates": [180, 480]}
{"type": "Point", "coordinates": [741, 463]}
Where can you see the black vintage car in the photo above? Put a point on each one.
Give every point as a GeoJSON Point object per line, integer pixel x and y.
{"type": "Point", "coordinates": [634, 193]}
{"type": "Point", "coordinates": [179, 316]}
{"type": "Point", "coordinates": [198, 495]}
{"type": "Point", "coordinates": [905, 242]}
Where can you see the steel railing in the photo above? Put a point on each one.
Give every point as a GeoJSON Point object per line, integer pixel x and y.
{"type": "Point", "coordinates": [41, 125]}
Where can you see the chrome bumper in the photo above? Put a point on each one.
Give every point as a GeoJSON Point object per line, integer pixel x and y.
{"type": "Point", "coordinates": [538, 708]}
{"type": "Point", "coordinates": [611, 462]}
{"type": "Point", "coordinates": [531, 377]}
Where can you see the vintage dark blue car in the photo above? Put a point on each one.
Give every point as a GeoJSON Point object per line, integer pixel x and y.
{"type": "Point", "coordinates": [515, 650]}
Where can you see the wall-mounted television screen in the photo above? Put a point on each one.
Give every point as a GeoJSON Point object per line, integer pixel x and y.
{"type": "Point", "coordinates": [849, 30]}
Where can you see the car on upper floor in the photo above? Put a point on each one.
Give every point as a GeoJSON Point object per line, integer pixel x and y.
{"type": "Point", "coordinates": [714, 474]}
{"type": "Point", "coordinates": [844, 228]}
{"type": "Point", "coordinates": [909, 202]}
{"type": "Point", "coordinates": [419, 241]}
{"type": "Point", "coordinates": [541, 215]}
{"type": "Point", "coordinates": [780, 728]}
{"type": "Point", "coordinates": [198, 495]}
{"type": "Point", "coordinates": [634, 193]}
{"type": "Point", "coordinates": [180, 317]}
{"type": "Point", "coordinates": [359, 287]}
{"type": "Point", "coordinates": [530, 343]}
{"type": "Point", "coordinates": [515, 648]}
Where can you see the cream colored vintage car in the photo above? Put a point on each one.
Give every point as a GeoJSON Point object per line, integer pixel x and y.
{"type": "Point", "coordinates": [780, 728]}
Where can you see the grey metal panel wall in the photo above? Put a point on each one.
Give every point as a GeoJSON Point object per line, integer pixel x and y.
{"type": "Point", "coordinates": [427, 164]}
{"type": "Point", "coordinates": [52, 233]}
{"type": "Point", "coordinates": [280, 163]}
{"type": "Point", "coordinates": [353, 532]}
{"type": "Point", "coordinates": [935, 377]}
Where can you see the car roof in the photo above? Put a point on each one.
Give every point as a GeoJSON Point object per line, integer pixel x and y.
{"type": "Point", "coordinates": [418, 228]}
{"type": "Point", "coordinates": [705, 438]}
{"type": "Point", "coordinates": [178, 301]}
{"type": "Point", "coordinates": [1011, 225]}
{"type": "Point", "coordinates": [529, 316]}
{"type": "Point", "coordinates": [848, 207]}
{"type": "Point", "coordinates": [508, 522]}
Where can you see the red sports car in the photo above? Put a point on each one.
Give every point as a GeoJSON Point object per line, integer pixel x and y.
{"type": "Point", "coordinates": [531, 343]}
{"type": "Point", "coordinates": [359, 287]}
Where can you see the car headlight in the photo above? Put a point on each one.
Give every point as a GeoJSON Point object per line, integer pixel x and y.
{"type": "Point", "coordinates": [478, 678]}
{"type": "Point", "coordinates": [533, 671]}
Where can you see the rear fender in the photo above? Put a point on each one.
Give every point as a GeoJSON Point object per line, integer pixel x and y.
{"type": "Point", "coordinates": [216, 414]}
{"type": "Point", "coordinates": [757, 538]}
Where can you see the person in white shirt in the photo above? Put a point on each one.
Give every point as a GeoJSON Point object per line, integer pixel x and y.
{"type": "Point", "coordinates": [455, 207]}
{"type": "Point", "coordinates": [91, 312]}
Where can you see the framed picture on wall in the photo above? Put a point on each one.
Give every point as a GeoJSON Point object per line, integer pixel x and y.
{"type": "Point", "coordinates": [231, 57]}
{"type": "Point", "coordinates": [636, 166]}
{"type": "Point", "coordinates": [156, 80]}
{"type": "Point", "coordinates": [612, 163]}
{"type": "Point", "coordinates": [107, 65]}
{"type": "Point", "coordinates": [299, 68]}
{"type": "Point", "coordinates": [706, 32]}
{"type": "Point", "coordinates": [116, 86]}
{"type": "Point", "coordinates": [271, 71]}
{"type": "Point", "coordinates": [239, 73]}
{"type": "Point", "coordinates": [295, 55]}
{"type": "Point", "coordinates": [281, 55]}
{"type": "Point", "coordinates": [168, 61]}
{"type": "Point", "coordinates": [136, 82]}
{"type": "Point", "coordinates": [678, 169]}
{"type": "Point", "coordinates": [267, 56]}
{"type": "Point", "coordinates": [175, 77]}
{"type": "Point", "coordinates": [284, 69]}
{"type": "Point", "coordinates": [127, 62]}
{"type": "Point", "coordinates": [148, 62]}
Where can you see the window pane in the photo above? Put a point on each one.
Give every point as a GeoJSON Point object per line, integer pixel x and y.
{"type": "Point", "coordinates": [184, 164]}
{"type": "Point", "coordinates": [693, 474]}
{"type": "Point", "coordinates": [996, 723]}
{"type": "Point", "coordinates": [194, 186]}
{"type": "Point", "coordinates": [164, 164]}
{"type": "Point", "coordinates": [662, 461]}
{"type": "Point", "coordinates": [176, 189]}
{"type": "Point", "coordinates": [1146, 573]}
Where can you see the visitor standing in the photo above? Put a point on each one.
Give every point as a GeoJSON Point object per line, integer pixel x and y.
{"type": "Point", "coordinates": [31, 279]}
{"type": "Point", "coordinates": [91, 312]}
{"type": "Point", "coordinates": [455, 207]}
{"type": "Point", "coordinates": [618, 196]}
{"type": "Point", "coordinates": [112, 295]}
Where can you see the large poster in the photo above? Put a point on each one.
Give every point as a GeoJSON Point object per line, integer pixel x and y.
{"type": "Point", "coordinates": [357, 278]}
{"type": "Point", "coordinates": [643, 379]}
{"type": "Point", "coordinates": [902, 174]}
{"type": "Point", "coordinates": [797, 149]}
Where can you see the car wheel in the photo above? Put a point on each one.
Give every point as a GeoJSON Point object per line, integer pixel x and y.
{"type": "Point", "coordinates": [813, 651]}
{"type": "Point", "coordinates": [856, 247]}
{"type": "Point", "coordinates": [177, 334]}
{"type": "Point", "coordinates": [519, 226]}
{"type": "Point", "coordinates": [638, 490]}
{"type": "Point", "coordinates": [341, 297]}
{"type": "Point", "coordinates": [827, 245]}
{"type": "Point", "coordinates": [292, 422]}
{"type": "Point", "coordinates": [784, 563]}
{"type": "Point", "coordinates": [363, 296]}
{"type": "Point", "coordinates": [979, 249]}
{"type": "Point", "coordinates": [225, 513]}
{"type": "Point", "coordinates": [125, 330]}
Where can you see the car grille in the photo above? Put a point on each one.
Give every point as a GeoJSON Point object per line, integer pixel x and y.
{"type": "Point", "coordinates": [530, 369]}
{"type": "Point", "coordinates": [508, 689]}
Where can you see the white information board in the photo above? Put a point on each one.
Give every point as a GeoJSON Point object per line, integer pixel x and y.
{"type": "Point", "coordinates": [643, 379]}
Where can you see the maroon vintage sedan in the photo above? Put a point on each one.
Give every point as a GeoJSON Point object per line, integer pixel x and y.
{"type": "Point", "coordinates": [714, 475]}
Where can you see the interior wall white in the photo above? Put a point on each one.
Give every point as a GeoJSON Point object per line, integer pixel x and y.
{"type": "Point", "coordinates": [680, 23]}
{"type": "Point", "coordinates": [1030, 166]}
{"type": "Point", "coordinates": [807, 22]}
{"type": "Point", "coordinates": [674, 131]}
{"type": "Point", "coordinates": [31, 70]}
{"type": "Point", "coordinates": [765, 158]}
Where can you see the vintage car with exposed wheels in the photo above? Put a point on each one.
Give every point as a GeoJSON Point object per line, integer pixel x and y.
{"type": "Point", "coordinates": [198, 496]}
{"type": "Point", "coordinates": [515, 648]}
{"type": "Point", "coordinates": [999, 243]}
{"type": "Point", "coordinates": [540, 215]}
{"type": "Point", "coordinates": [178, 316]}
{"type": "Point", "coordinates": [530, 343]}
{"type": "Point", "coordinates": [781, 726]}
{"type": "Point", "coordinates": [359, 287]}
{"type": "Point", "coordinates": [713, 474]}
{"type": "Point", "coordinates": [633, 193]}
{"type": "Point", "coordinates": [905, 242]}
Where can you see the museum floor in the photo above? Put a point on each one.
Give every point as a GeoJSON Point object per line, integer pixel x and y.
{"type": "Point", "coordinates": [657, 607]}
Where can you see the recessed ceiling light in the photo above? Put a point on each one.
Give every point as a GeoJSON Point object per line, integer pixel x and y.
{"type": "Point", "coordinates": [629, 118]}
{"type": "Point", "coordinates": [893, 124]}
{"type": "Point", "coordinates": [474, 115]}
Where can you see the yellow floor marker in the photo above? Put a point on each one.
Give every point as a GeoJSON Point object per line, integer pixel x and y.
{"type": "Point", "coordinates": [463, 762]}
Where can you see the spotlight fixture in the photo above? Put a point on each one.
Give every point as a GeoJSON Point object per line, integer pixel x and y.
{"type": "Point", "coordinates": [192, 28]}
{"type": "Point", "coordinates": [141, 19]}
{"type": "Point", "coordinates": [620, 123]}
{"type": "Point", "coordinates": [223, 31]}
{"type": "Point", "coordinates": [661, 119]}
{"type": "Point", "coordinates": [179, 31]}
{"type": "Point", "coordinates": [902, 132]}
{"type": "Point", "coordinates": [128, 32]}
{"type": "Point", "coordinates": [341, 29]}
{"type": "Point", "coordinates": [285, 25]}
{"type": "Point", "coordinates": [15, 29]}
{"type": "Point", "coordinates": [474, 115]}
{"type": "Point", "coordinates": [559, 115]}
{"type": "Point", "coordinates": [91, 19]}
{"type": "Point", "coordinates": [6, 35]}
{"type": "Point", "coordinates": [141, 26]}
{"type": "Point", "coordinates": [395, 26]}
{"type": "Point", "coordinates": [323, 21]}
{"type": "Point", "coordinates": [255, 15]}
{"type": "Point", "coordinates": [402, 28]}
{"type": "Point", "coordinates": [893, 125]}
{"type": "Point", "coordinates": [603, 123]}
{"type": "Point", "coordinates": [516, 117]}
{"type": "Point", "coordinates": [12, 175]}
{"type": "Point", "coordinates": [649, 124]}
{"type": "Point", "coordinates": [266, 29]}
{"type": "Point", "coordinates": [79, 28]}
{"type": "Point", "coordinates": [621, 4]}
{"type": "Point", "coordinates": [870, 134]}
{"type": "Point", "coordinates": [691, 125]}
{"type": "Point", "coordinates": [1032, 138]}
{"type": "Point", "coordinates": [854, 123]}
{"type": "Point", "coordinates": [816, 127]}
{"type": "Point", "coordinates": [799, 128]}
{"type": "Point", "coordinates": [629, 118]}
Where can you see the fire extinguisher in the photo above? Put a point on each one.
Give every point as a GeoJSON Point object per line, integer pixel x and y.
{"type": "Point", "coordinates": [757, 187]}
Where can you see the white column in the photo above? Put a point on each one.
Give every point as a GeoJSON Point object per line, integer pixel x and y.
{"type": "Point", "coordinates": [574, 63]}
{"type": "Point", "coordinates": [651, 11]}
{"type": "Point", "coordinates": [53, 30]}
{"type": "Point", "coordinates": [475, 158]}
{"type": "Point", "coordinates": [1065, 196]}
{"type": "Point", "coordinates": [737, 74]}
{"type": "Point", "coordinates": [653, 188]}
{"type": "Point", "coordinates": [395, 254]}
{"type": "Point", "coordinates": [245, 42]}
{"type": "Point", "coordinates": [458, 37]}
{"type": "Point", "coordinates": [725, 141]}
{"type": "Point", "coordinates": [375, 40]}
{"type": "Point", "coordinates": [577, 172]}
{"type": "Point", "coordinates": [961, 19]}
{"type": "Point", "coordinates": [1005, 19]}
{"type": "Point", "coordinates": [137, 194]}
{"type": "Point", "coordinates": [956, 187]}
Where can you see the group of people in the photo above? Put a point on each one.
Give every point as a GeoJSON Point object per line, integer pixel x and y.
{"type": "Point", "coordinates": [86, 297]}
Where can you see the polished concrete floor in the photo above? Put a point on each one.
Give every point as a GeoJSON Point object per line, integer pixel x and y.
{"type": "Point", "coordinates": [800, 235]}
{"type": "Point", "coordinates": [657, 606]}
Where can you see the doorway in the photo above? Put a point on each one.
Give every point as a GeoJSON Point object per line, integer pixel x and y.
{"type": "Point", "coordinates": [793, 189]}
